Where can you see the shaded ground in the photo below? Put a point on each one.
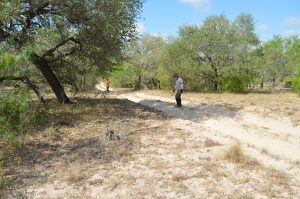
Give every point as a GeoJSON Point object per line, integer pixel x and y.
{"type": "Point", "coordinates": [89, 132]}
{"type": "Point", "coordinates": [115, 148]}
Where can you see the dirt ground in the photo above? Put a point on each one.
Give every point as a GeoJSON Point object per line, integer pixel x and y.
{"type": "Point", "coordinates": [138, 145]}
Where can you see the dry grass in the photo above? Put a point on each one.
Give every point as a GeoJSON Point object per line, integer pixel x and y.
{"type": "Point", "coordinates": [75, 172]}
{"type": "Point", "coordinates": [235, 154]}
{"type": "Point", "coordinates": [264, 152]}
{"type": "Point", "coordinates": [83, 145]}
{"type": "Point", "coordinates": [178, 177]}
{"type": "Point", "coordinates": [278, 177]}
{"type": "Point", "coordinates": [76, 133]}
{"type": "Point", "coordinates": [211, 143]}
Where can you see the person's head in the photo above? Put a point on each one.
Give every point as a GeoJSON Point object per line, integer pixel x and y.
{"type": "Point", "coordinates": [107, 79]}
{"type": "Point", "coordinates": [175, 76]}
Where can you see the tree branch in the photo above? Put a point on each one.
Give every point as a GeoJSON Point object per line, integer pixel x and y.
{"type": "Point", "coordinates": [26, 81]}
{"type": "Point", "coordinates": [62, 43]}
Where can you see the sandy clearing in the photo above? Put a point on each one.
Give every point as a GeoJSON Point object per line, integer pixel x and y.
{"type": "Point", "coordinates": [184, 158]}
{"type": "Point", "coordinates": [278, 137]}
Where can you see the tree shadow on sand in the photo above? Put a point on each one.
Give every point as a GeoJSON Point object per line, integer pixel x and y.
{"type": "Point", "coordinates": [194, 113]}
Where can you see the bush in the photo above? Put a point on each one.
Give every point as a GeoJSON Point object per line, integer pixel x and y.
{"type": "Point", "coordinates": [288, 82]}
{"type": "Point", "coordinates": [296, 84]}
{"type": "Point", "coordinates": [13, 108]}
{"type": "Point", "coordinates": [121, 77]}
{"type": "Point", "coordinates": [296, 81]}
{"type": "Point", "coordinates": [235, 84]}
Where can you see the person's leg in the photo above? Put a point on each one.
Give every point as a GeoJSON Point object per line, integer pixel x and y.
{"type": "Point", "coordinates": [178, 98]}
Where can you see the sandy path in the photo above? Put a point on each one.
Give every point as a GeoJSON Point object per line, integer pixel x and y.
{"type": "Point", "coordinates": [277, 137]}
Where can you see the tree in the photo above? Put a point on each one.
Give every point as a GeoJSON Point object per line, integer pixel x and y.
{"type": "Point", "coordinates": [63, 32]}
{"type": "Point", "coordinates": [142, 56]}
{"type": "Point", "coordinates": [274, 60]}
{"type": "Point", "coordinates": [219, 52]}
{"type": "Point", "coordinates": [292, 51]}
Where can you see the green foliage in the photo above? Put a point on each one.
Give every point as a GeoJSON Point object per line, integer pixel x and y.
{"type": "Point", "coordinates": [5, 182]}
{"type": "Point", "coordinates": [13, 108]}
{"type": "Point", "coordinates": [235, 83]}
{"type": "Point", "coordinates": [9, 8]}
{"type": "Point", "coordinates": [40, 118]}
{"type": "Point", "coordinates": [296, 81]}
{"type": "Point", "coordinates": [215, 56]}
{"type": "Point", "coordinates": [7, 62]}
{"type": "Point", "coordinates": [16, 63]}
{"type": "Point", "coordinates": [142, 63]}
{"type": "Point", "coordinates": [288, 82]}
{"type": "Point", "coordinates": [121, 77]}
{"type": "Point", "coordinates": [76, 39]}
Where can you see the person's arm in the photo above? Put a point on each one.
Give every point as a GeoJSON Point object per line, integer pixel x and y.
{"type": "Point", "coordinates": [174, 89]}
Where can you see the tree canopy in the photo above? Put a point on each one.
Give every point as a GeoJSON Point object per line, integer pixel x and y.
{"type": "Point", "coordinates": [69, 38]}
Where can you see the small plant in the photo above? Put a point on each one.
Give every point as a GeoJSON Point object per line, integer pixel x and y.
{"type": "Point", "coordinates": [235, 154]}
{"type": "Point", "coordinates": [75, 172]}
{"type": "Point", "coordinates": [5, 182]}
{"type": "Point", "coordinates": [41, 118]}
{"type": "Point", "coordinates": [51, 131]}
{"type": "Point", "coordinates": [14, 108]}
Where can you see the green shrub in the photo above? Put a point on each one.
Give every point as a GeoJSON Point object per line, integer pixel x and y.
{"type": "Point", "coordinates": [40, 118]}
{"type": "Point", "coordinates": [121, 77]}
{"type": "Point", "coordinates": [296, 81]}
{"type": "Point", "coordinates": [5, 182]}
{"type": "Point", "coordinates": [296, 85]}
{"type": "Point", "coordinates": [13, 108]}
{"type": "Point", "coordinates": [235, 83]}
{"type": "Point", "coordinates": [288, 82]}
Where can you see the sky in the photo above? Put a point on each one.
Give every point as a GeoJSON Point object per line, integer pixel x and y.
{"type": "Point", "coordinates": [271, 17]}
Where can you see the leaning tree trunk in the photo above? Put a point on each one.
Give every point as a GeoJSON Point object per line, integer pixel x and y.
{"type": "Point", "coordinates": [51, 78]}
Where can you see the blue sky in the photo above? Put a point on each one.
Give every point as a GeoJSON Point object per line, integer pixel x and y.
{"type": "Point", "coordinates": [280, 17]}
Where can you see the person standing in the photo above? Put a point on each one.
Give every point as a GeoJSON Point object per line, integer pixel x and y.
{"type": "Point", "coordinates": [178, 88]}
{"type": "Point", "coordinates": [107, 84]}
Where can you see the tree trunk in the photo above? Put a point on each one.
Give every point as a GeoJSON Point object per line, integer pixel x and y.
{"type": "Point", "coordinates": [216, 76]}
{"type": "Point", "coordinates": [273, 82]}
{"type": "Point", "coordinates": [35, 89]}
{"type": "Point", "coordinates": [215, 86]}
{"type": "Point", "coordinates": [262, 84]}
{"type": "Point", "coordinates": [51, 78]}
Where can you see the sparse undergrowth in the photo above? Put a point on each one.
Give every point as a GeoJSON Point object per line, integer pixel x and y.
{"type": "Point", "coordinates": [88, 132]}
{"type": "Point", "coordinates": [111, 146]}
{"type": "Point", "coordinates": [5, 182]}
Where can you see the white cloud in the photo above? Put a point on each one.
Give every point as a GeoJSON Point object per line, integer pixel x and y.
{"type": "Point", "coordinates": [292, 21]}
{"type": "Point", "coordinates": [264, 28]}
{"type": "Point", "coordinates": [140, 27]}
{"type": "Point", "coordinates": [197, 3]}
